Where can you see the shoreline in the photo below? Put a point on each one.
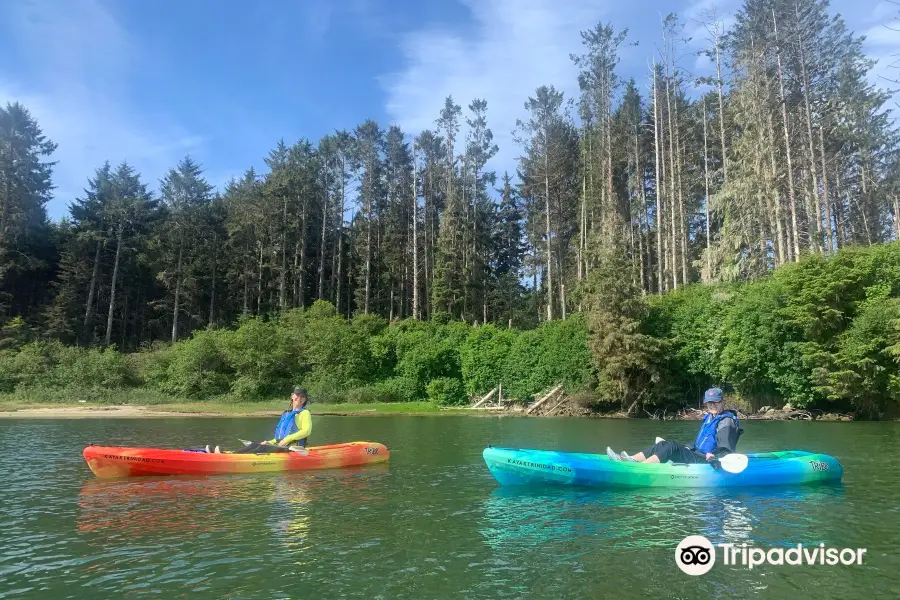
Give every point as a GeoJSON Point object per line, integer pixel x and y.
{"type": "Point", "coordinates": [268, 409]}
{"type": "Point", "coordinates": [199, 410]}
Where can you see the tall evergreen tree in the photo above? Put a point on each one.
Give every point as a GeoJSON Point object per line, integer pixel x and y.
{"type": "Point", "coordinates": [185, 195]}
{"type": "Point", "coordinates": [25, 188]}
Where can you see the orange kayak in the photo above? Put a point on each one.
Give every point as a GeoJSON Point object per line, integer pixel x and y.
{"type": "Point", "coordinates": [121, 461]}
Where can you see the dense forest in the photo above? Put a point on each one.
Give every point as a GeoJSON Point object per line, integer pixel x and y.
{"type": "Point", "coordinates": [627, 192]}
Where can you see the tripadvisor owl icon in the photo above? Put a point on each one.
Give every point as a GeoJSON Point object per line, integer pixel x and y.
{"type": "Point", "coordinates": [695, 555]}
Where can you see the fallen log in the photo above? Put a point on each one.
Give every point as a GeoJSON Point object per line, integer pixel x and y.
{"type": "Point", "coordinates": [557, 405]}
{"type": "Point", "coordinates": [538, 403]}
{"type": "Point", "coordinates": [484, 398]}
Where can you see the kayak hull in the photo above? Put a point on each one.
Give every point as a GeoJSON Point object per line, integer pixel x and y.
{"type": "Point", "coordinates": [119, 461]}
{"type": "Point", "coordinates": [511, 466]}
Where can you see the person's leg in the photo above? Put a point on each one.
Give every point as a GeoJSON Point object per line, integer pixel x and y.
{"type": "Point", "coordinates": [252, 448]}
{"type": "Point", "coordinates": [640, 456]}
{"type": "Point", "coordinates": [269, 449]}
{"type": "Point", "coordinates": [661, 451]}
{"type": "Point", "coordinates": [683, 455]}
{"type": "Point", "coordinates": [644, 455]}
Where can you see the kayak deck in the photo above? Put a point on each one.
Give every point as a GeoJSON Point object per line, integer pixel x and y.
{"type": "Point", "coordinates": [123, 461]}
{"type": "Point", "coordinates": [511, 466]}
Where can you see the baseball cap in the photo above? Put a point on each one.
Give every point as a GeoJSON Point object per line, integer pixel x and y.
{"type": "Point", "coordinates": [713, 395]}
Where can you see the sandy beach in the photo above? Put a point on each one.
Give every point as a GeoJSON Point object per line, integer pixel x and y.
{"type": "Point", "coordinates": [121, 412]}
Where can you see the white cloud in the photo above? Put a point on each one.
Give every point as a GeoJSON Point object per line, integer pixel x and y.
{"type": "Point", "coordinates": [885, 36]}
{"type": "Point", "coordinates": [884, 11]}
{"type": "Point", "coordinates": [78, 60]}
{"type": "Point", "coordinates": [702, 19]}
{"type": "Point", "coordinates": [883, 44]}
{"type": "Point", "coordinates": [511, 48]}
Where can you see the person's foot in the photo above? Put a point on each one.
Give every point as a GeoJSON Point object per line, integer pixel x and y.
{"type": "Point", "coordinates": [208, 451]}
{"type": "Point", "coordinates": [217, 451]}
{"type": "Point", "coordinates": [612, 455]}
{"type": "Point", "coordinates": [625, 456]}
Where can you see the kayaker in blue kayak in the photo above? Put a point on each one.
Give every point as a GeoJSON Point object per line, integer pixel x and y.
{"type": "Point", "coordinates": [718, 436]}
{"type": "Point", "coordinates": [293, 428]}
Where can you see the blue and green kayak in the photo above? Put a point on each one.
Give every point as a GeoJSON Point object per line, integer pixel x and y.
{"type": "Point", "coordinates": [511, 466]}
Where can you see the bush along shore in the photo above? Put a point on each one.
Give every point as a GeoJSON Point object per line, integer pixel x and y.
{"type": "Point", "coordinates": [822, 336]}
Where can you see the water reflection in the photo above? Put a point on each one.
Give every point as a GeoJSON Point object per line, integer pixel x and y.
{"type": "Point", "coordinates": [646, 518]}
{"type": "Point", "coordinates": [150, 506]}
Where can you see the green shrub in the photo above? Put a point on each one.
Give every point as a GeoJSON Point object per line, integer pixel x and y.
{"type": "Point", "coordinates": [369, 325]}
{"type": "Point", "coordinates": [446, 391]}
{"type": "Point", "coordinates": [482, 356]}
{"type": "Point", "coordinates": [93, 368]}
{"type": "Point", "coordinates": [7, 375]}
{"type": "Point", "coordinates": [424, 352]}
{"type": "Point", "coordinates": [361, 395]}
{"type": "Point", "coordinates": [865, 367]}
{"type": "Point", "coordinates": [440, 317]}
{"type": "Point", "coordinates": [197, 368]}
{"type": "Point", "coordinates": [556, 352]}
{"type": "Point", "coordinates": [566, 353]}
{"type": "Point", "coordinates": [396, 389]}
{"type": "Point", "coordinates": [262, 358]}
{"type": "Point", "coordinates": [524, 371]}
{"type": "Point", "coordinates": [33, 365]}
{"type": "Point", "coordinates": [323, 388]}
{"type": "Point", "coordinates": [332, 350]}
{"type": "Point", "coordinates": [150, 365]}
{"type": "Point", "coordinates": [692, 319]}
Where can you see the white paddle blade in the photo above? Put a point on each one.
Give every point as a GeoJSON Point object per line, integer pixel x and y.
{"type": "Point", "coordinates": [245, 442]}
{"type": "Point", "coordinates": [734, 463]}
{"type": "Point", "coordinates": [659, 439]}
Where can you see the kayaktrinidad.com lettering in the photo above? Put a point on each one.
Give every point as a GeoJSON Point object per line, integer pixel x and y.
{"type": "Point", "coordinates": [751, 556]}
{"type": "Point", "coordinates": [142, 459]}
{"type": "Point", "coordinates": [525, 463]}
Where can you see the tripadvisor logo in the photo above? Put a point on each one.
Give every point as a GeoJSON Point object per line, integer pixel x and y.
{"type": "Point", "coordinates": [696, 555]}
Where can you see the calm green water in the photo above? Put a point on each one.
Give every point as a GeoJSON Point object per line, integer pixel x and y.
{"type": "Point", "coordinates": [430, 524]}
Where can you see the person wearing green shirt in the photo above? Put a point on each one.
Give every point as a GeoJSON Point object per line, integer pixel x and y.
{"type": "Point", "coordinates": [292, 430]}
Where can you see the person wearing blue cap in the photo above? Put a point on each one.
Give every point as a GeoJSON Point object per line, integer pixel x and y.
{"type": "Point", "coordinates": [718, 436]}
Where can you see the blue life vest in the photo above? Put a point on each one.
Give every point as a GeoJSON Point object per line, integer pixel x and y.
{"type": "Point", "coordinates": [287, 425]}
{"type": "Point", "coordinates": [706, 438]}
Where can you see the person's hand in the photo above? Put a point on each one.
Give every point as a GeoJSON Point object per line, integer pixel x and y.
{"type": "Point", "coordinates": [710, 456]}
{"type": "Point", "coordinates": [282, 443]}
{"type": "Point", "coordinates": [264, 443]}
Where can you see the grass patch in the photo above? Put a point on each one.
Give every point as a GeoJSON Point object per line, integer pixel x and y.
{"type": "Point", "coordinates": [380, 407]}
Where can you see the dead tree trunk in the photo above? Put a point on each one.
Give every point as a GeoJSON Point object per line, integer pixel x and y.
{"type": "Point", "coordinates": [112, 285]}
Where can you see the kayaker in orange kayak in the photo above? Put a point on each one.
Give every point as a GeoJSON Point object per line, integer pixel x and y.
{"type": "Point", "coordinates": [293, 428]}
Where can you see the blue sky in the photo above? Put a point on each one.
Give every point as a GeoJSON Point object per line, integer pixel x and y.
{"type": "Point", "coordinates": [223, 80]}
